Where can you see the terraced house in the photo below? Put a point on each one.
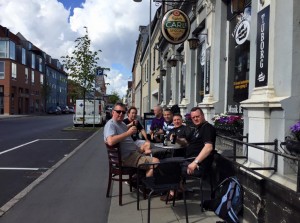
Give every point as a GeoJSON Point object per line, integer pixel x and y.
{"type": "Point", "coordinates": [30, 80]}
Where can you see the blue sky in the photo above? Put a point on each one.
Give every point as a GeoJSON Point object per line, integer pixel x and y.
{"type": "Point", "coordinates": [53, 25]}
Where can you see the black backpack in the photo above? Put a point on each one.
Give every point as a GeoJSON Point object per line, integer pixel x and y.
{"type": "Point", "coordinates": [228, 200]}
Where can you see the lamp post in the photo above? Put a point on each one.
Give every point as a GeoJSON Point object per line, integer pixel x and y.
{"type": "Point", "coordinates": [149, 67]}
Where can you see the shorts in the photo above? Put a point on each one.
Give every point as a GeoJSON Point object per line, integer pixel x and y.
{"type": "Point", "coordinates": [136, 158]}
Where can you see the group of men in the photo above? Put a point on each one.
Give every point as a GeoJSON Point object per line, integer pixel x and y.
{"type": "Point", "coordinates": [197, 139]}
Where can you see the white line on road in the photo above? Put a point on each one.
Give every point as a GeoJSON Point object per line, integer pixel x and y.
{"type": "Point", "coordinates": [17, 147]}
{"type": "Point", "coordinates": [21, 168]}
{"type": "Point", "coordinates": [58, 139]}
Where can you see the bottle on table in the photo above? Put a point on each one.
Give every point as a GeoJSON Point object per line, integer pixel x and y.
{"type": "Point", "coordinates": [174, 137]}
{"type": "Point", "coordinates": [165, 143]}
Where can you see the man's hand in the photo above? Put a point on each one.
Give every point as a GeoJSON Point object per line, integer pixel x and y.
{"type": "Point", "coordinates": [147, 151]}
{"type": "Point", "coordinates": [191, 168]}
{"type": "Point", "coordinates": [132, 130]}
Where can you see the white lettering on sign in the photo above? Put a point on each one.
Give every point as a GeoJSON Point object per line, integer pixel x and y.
{"type": "Point", "coordinates": [262, 42]}
{"type": "Point", "coordinates": [235, 109]}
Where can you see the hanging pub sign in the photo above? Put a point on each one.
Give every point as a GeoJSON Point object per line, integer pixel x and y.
{"type": "Point", "coordinates": [262, 47]}
{"type": "Point", "coordinates": [175, 26]}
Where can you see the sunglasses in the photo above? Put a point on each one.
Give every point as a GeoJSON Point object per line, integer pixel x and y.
{"type": "Point", "coordinates": [120, 111]}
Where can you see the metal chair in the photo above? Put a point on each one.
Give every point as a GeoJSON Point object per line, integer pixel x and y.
{"type": "Point", "coordinates": [208, 173]}
{"type": "Point", "coordinates": [166, 177]}
{"type": "Point", "coordinates": [117, 170]}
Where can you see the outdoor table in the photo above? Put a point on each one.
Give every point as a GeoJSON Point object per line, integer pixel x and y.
{"type": "Point", "coordinates": [158, 147]}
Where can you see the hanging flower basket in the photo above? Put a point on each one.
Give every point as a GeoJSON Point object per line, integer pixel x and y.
{"type": "Point", "coordinates": [292, 143]}
{"type": "Point", "coordinates": [293, 146]}
{"type": "Point", "coordinates": [229, 125]}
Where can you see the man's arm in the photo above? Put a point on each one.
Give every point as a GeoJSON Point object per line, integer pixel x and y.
{"type": "Point", "coordinates": [114, 139]}
{"type": "Point", "coordinates": [208, 147]}
{"type": "Point", "coordinates": [144, 134]}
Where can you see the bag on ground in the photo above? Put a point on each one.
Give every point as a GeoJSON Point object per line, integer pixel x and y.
{"type": "Point", "coordinates": [228, 200]}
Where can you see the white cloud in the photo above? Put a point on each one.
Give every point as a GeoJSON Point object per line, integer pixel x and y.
{"type": "Point", "coordinates": [113, 27]}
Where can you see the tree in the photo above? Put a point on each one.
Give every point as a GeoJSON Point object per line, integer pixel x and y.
{"type": "Point", "coordinates": [82, 65]}
{"type": "Point", "coordinates": [114, 97]}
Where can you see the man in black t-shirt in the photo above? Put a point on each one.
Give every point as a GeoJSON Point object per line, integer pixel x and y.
{"type": "Point", "coordinates": [200, 143]}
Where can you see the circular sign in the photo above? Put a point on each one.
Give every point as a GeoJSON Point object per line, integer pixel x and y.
{"type": "Point", "coordinates": [242, 32]}
{"type": "Point", "coordinates": [175, 26]}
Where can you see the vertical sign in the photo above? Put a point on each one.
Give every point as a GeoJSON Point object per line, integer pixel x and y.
{"type": "Point", "coordinates": [262, 48]}
{"type": "Point", "coordinates": [207, 73]}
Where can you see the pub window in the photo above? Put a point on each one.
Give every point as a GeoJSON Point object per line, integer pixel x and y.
{"type": "Point", "coordinates": [239, 61]}
{"type": "Point", "coordinates": [201, 59]}
{"type": "Point", "coordinates": [183, 81]}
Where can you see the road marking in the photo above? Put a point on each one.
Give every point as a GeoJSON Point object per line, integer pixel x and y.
{"type": "Point", "coordinates": [17, 147]}
{"type": "Point", "coordinates": [21, 168]}
{"type": "Point", "coordinates": [57, 139]}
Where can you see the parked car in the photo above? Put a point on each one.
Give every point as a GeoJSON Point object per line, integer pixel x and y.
{"type": "Point", "coordinates": [65, 109]}
{"type": "Point", "coordinates": [71, 109]}
{"type": "Point", "coordinates": [54, 110]}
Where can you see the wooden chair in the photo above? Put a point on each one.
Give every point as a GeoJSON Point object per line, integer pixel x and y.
{"type": "Point", "coordinates": [117, 170]}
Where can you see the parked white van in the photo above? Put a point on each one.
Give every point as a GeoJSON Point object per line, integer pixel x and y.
{"type": "Point", "coordinates": [94, 113]}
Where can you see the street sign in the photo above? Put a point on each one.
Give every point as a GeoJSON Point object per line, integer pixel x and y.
{"type": "Point", "coordinates": [100, 72]}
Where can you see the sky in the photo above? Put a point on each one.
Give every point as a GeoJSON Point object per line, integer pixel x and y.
{"type": "Point", "coordinates": [53, 26]}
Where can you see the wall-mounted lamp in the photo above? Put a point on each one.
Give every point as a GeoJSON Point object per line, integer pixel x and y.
{"type": "Point", "coordinates": [237, 6]}
{"type": "Point", "coordinates": [157, 79]}
{"type": "Point", "coordinates": [173, 60]}
{"type": "Point", "coordinates": [194, 42]}
{"type": "Point", "coordinates": [163, 72]}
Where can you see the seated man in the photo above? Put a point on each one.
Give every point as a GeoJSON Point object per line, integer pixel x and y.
{"type": "Point", "coordinates": [131, 120]}
{"type": "Point", "coordinates": [168, 122]}
{"type": "Point", "coordinates": [116, 131]}
{"type": "Point", "coordinates": [179, 131]}
{"type": "Point", "coordinates": [157, 123]}
{"type": "Point", "coordinates": [200, 142]}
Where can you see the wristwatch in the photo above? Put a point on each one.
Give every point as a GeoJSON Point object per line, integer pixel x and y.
{"type": "Point", "coordinates": [196, 161]}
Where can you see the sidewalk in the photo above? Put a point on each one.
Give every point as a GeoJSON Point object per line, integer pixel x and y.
{"type": "Point", "coordinates": [160, 212]}
{"type": "Point", "coordinates": [73, 191]}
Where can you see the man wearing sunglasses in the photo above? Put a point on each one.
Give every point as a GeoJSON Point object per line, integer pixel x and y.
{"type": "Point", "coordinates": [116, 131]}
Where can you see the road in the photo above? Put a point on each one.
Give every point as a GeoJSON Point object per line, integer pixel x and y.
{"type": "Point", "coordinates": [29, 146]}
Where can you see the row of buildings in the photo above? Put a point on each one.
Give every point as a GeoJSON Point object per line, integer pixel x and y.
{"type": "Point", "coordinates": [245, 62]}
{"type": "Point", "coordinates": [31, 81]}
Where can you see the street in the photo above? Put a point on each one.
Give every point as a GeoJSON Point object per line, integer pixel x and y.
{"type": "Point", "coordinates": [29, 146]}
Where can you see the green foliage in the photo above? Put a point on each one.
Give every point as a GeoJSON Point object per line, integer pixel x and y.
{"type": "Point", "coordinates": [82, 63]}
{"type": "Point", "coordinates": [114, 97]}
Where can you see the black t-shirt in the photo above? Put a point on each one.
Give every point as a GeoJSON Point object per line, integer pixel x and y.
{"type": "Point", "coordinates": [179, 131]}
{"type": "Point", "coordinates": [138, 126]}
{"type": "Point", "coordinates": [197, 136]}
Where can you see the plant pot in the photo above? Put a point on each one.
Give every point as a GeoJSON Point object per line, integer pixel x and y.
{"type": "Point", "coordinates": [293, 146]}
